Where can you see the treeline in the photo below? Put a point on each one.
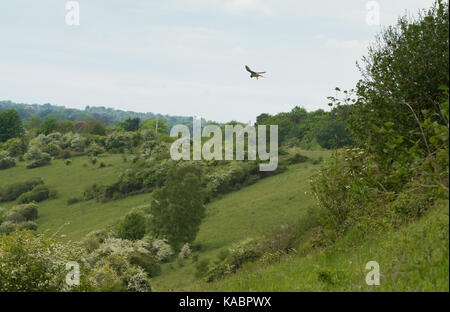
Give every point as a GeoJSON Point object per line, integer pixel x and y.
{"type": "Point", "coordinates": [310, 130]}
{"type": "Point", "coordinates": [107, 116]}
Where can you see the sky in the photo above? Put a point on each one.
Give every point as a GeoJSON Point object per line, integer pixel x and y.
{"type": "Point", "coordinates": [187, 57]}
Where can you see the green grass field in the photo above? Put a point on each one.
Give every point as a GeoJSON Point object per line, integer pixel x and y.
{"type": "Point", "coordinates": [268, 204]}
{"type": "Point", "coordinates": [75, 221]}
{"type": "Point", "coordinates": [414, 258]}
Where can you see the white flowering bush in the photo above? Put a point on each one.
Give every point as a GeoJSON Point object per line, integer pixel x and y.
{"type": "Point", "coordinates": [161, 249]}
{"type": "Point", "coordinates": [33, 262]}
{"type": "Point", "coordinates": [119, 139]}
{"type": "Point", "coordinates": [185, 251]}
{"type": "Point", "coordinates": [36, 158]}
{"type": "Point", "coordinates": [78, 143]}
{"type": "Point", "coordinates": [113, 270]}
{"type": "Point", "coordinates": [6, 161]}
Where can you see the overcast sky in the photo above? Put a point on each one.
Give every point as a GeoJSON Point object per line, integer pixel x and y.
{"type": "Point", "coordinates": [186, 57]}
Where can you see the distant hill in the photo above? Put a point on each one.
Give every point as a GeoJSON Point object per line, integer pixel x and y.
{"type": "Point", "coordinates": [109, 116]}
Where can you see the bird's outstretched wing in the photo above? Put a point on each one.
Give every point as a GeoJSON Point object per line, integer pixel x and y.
{"type": "Point", "coordinates": [249, 70]}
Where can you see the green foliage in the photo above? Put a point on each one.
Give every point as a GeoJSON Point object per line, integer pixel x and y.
{"type": "Point", "coordinates": [15, 146]}
{"type": "Point", "coordinates": [147, 262]}
{"type": "Point", "coordinates": [150, 124]}
{"type": "Point", "coordinates": [178, 207]}
{"type": "Point", "coordinates": [299, 127]}
{"type": "Point", "coordinates": [201, 268]}
{"type": "Point", "coordinates": [131, 124]}
{"type": "Point", "coordinates": [28, 226]}
{"type": "Point", "coordinates": [36, 158]}
{"type": "Point", "coordinates": [133, 227]}
{"type": "Point", "coordinates": [32, 262]}
{"type": "Point", "coordinates": [37, 194]}
{"type": "Point", "coordinates": [95, 127]}
{"type": "Point", "coordinates": [14, 190]}
{"type": "Point", "coordinates": [400, 90]}
{"type": "Point", "coordinates": [6, 161]}
{"type": "Point", "coordinates": [10, 125]}
{"type": "Point", "coordinates": [48, 126]}
{"type": "Point", "coordinates": [400, 118]}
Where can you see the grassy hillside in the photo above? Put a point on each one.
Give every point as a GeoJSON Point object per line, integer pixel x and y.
{"type": "Point", "coordinates": [71, 181]}
{"type": "Point", "coordinates": [247, 213]}
{"type": "Point", "coordinates": [414, 258]}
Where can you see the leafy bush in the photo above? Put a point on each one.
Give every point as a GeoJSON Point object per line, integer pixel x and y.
{"type": "Point", "coordinates": [28, 225]}
{"type": "Point", "coordinates": [73, 200]}
{"type": "Point", "coordinates": [37, 194]}
{"type": "Point", "coordinates": [78, 143]}
{"type": "Point", "coordinates": [27, 212]}
{"type": "Point", "coordinates": [36, 158]}
{"type": "Point", "coordinates": [52, 149]}
{"type": "Point", "coordinates": [13, 191]}
{"type": "Point", "coordinates": [147, 262]}
{"type": "Point", "coordinates": [32, 262]}
{"type": "Point", "coordinates": [6, 161]}
{"type": "Point", "coordinates": [118, 140]}
{"type": "Point", "coordinates": [201, 268]}
{"type": "Point", "coordinates": [297, 159]}
{"type": "Point", "coordinates": [94, 150]}
{"type": "Point", "coordinates": [133, 227]}
{"type": "Point", "coordinates": [15, 147]}
{"type": "Point", "coordinates": [7, 227]}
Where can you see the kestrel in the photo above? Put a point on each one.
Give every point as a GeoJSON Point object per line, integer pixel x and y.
{"type": "Point", "coordinates": [254, 74]}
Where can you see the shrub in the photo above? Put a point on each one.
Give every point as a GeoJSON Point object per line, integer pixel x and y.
{"type": "Point", "coordinates": [52, 149]}
{"type": "Point", "coordinates": [6, 161]}
{"type": "Point", "coordinates": [37, 158]}
{"type": "Point", "coordinates": [297, 159]}
{"type": "Point", "coordinates": [185, 251]}
{"type": "Point", "coordinates": [201, 268]}
{"type": "Point", "coordinates": [73, 200]}
{"type": "Point", "coordinates": [94, 150]}
{"type": "Point", "coordinates": [28, 225]}
{"type": "Point", "coordinates": [33, 262]}
{"type": "Point", "coordinates": [7, 227]}
{"type": "Point", "coordinates": [27, 212]}
{"type": "Point", "coordinates": [13, 191]}
{"type": "Point", "coordinates": [147, 262]}
{"type": "Point", "coordinates": [37, 194]}
{"type": "Point", "coordinates": [133, 227]}
{"type": "Point", "coordinates": [78, 143]}
{"type": "Point", "coordinates": [15, 147]}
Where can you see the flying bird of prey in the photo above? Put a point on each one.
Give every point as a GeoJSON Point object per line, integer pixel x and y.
{"type": "Point", "coordinates": [254, 74]}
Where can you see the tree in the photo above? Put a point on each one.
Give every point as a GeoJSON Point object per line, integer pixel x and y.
{"type": "Point", "coordinates": [133, 227]}
{"type": "Point", "coordinates": [34, 121]}
{"type": "Point", "coordinates": [150, 124]}
{"type": "Point", "coordinates": [178, 207]}
{"type": "Point", "coordinates": [94, 126]}
{"type": "Point", "coordinates": [401, 78]}
{"type": "Point", "coordinates": [48, 126]}
{"type": "Point", "coordinates": [10, 125]}
{"type": "Point", "coordinates": [131, 124]}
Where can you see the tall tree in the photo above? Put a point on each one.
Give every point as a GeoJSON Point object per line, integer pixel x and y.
{"type": "Point", "coordinates": [10, 125]}
{"type": "Point", "coordinates": [178, 207]}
